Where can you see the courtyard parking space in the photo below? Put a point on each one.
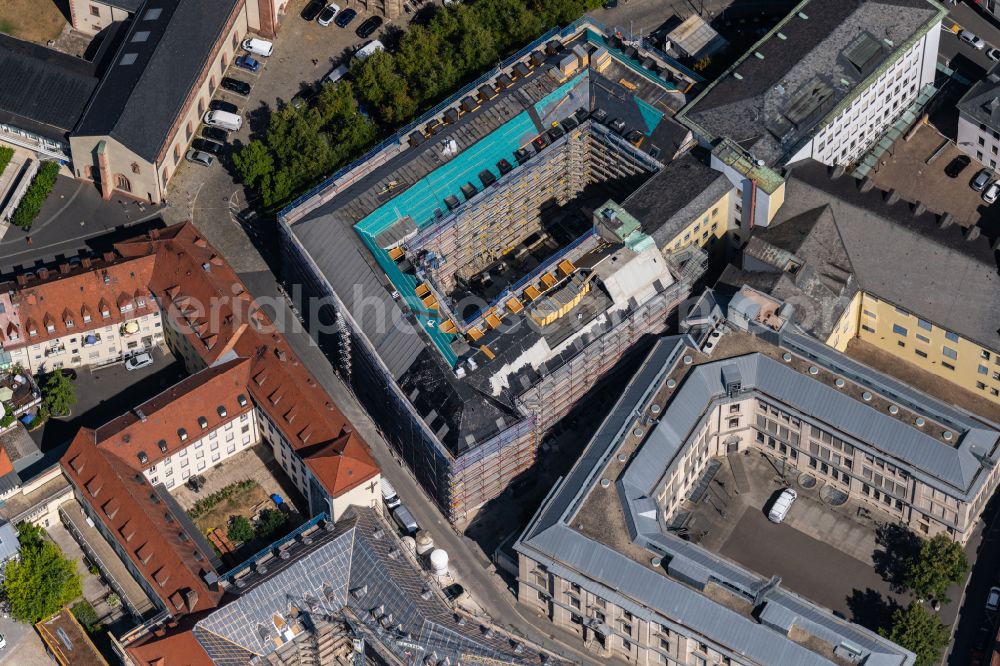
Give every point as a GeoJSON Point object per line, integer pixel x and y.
{"type": "Point", "coordinates": [105, 393]}
{"type": "Point", "coordinates": [906, 169]}
{"type": "Point", "coordinates": [836, 556]}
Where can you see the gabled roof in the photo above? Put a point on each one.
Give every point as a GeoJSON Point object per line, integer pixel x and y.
{"type": "Point", "coordinates": [161, 60]}
{"type": "Point", "coordinates": [91, 290]}
{"type": "Point", "coordinates": [981, 103]}
{"type": "Point", "coordinates": [170, 559]}
{"type": "Point", "coordinates": [44, 91]}
{"type": "Point", "coordinates": [201, 398]}
{"type": "Point", "coordinates": [343, 464]}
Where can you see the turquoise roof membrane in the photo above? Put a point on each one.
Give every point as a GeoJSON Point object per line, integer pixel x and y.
{"type": "Point", "coordinates": [650, 115]}
{"type": "Point", "coordinates": [567, 92]}
{"type": "Point", "coordinates": [428, 194]}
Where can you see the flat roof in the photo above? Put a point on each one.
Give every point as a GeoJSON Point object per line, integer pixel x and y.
{"type": "Point", "coordinates": [68, 642]}
{"type": "Point", "coordinates": [803, 69]}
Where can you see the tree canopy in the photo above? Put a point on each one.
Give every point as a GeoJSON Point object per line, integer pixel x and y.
{"type": "Point", "coordinates": [42, 581]}
{"type": "Point", "coordinates": [240, 529]}
{"type": "Point", "coordinates": [58, 394]}
{"type": "Point", "coordinates": [458, 43]}
{"type": "Point", "coordinates": [940, 563]}
{"type": "Point", "coordinates": [918, 630]}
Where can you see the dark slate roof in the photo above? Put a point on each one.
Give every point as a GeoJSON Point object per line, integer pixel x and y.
{"type": "Point", "coordinates": [137, 103]}
{"type": "Point", "coordinates": [128, 5]}
{"type": "Point", "coordinates": [804, 263]}
{"type": "Point", "coordinates": [943, 275]}
{"type": "Point", "coordinates": [44, 91]}
{"type": "Point", "coordinates": [670, 200]}
{"type": "Point", "coordinates": [982, 101]}
{"type": "Point", "coordinates": [819, 43]}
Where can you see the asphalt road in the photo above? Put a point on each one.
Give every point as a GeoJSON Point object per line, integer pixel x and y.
{"type": "Point", "coordinates": [960, 55]}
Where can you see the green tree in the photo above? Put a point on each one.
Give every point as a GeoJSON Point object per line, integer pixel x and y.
{"type": "Point", "coordinates": [42, 581]}
{"type": "Point", "coordinates": [270, 522]}
{"type": "Point", "coordinates": [86, 616]}
{"type": "Point", "coordinates": [36, 194]}
{"type": "Point", "coordinates": [940, 563]}
{"type": "Point", "coordinates": [58, 394]}
{"type": "Point", "coordinates": [919, 631]}
{"type": "Point", "coordinates": [253, 162]}
{"type": "Point", "coordinates": [240, 529]}
{"type": "Point", "coordinates": [383, 89]}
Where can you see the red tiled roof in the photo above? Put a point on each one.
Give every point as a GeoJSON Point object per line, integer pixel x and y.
{"type": "Point", "coordinates": [155, 541]}
{"type": "Point", "coordinates": [176, 648]}
{"type": "Point", "coordinates": [201, 398]}
{"type": "Point", "coordinates": [93, 290]}
{"type": "Point", "coordinates": [201, 294]}
{"type": "Point", "coordinates": [6, 467]}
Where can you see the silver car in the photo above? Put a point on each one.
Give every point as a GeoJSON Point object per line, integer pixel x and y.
{"type": "Point", "coordinates": [199, 157]}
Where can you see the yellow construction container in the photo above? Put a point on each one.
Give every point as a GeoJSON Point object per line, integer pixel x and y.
{"type": "Point", "coordinates": [422, 290]}
{"type": "Point", "coordinates": [475, 334]}
{"type": "Point", "coordinates": [487, 352]}
{"type": "Point", "coordinates": [566, 267]}
{"type": "Point", "coordinates": [492, 320]}
{"type": "Point", "coordinates": [549, 280]}
{"type": "Point", "coordinates": [514, 305]}
{"type": "Point", "coordinates": [396, 253]}
{"type": "Point", "coordinates": [448, 326]}
{"type": "Point", "coordinates": [429, 302]}
{"type": "Point", "coordinates": [531, 293]}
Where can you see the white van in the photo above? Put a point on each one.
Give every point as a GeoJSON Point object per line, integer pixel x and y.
{"type": "Point", "coordinates": [389, 494]}
{"type": "Point", "coordinates": [371, 47]}
{"type": "Point", "coordinates": [336, 74]}
{"type": "Point", "coordinates": [227, 121]}
{"type": "Point", "coordinates": [258, 46]}
{"type": "Point", "coordinates": [781, 505]}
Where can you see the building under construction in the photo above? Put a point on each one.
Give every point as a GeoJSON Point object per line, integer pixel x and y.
{"type": "Point", "coordinates": [477, 276]}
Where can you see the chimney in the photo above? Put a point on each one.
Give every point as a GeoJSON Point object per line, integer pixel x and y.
{"type": "Point", "coordinates": [86, 262]}
{"type": "Point", "coordinates": [64, 268]}
{"type": "Point", "coordinates": [191, 599]}
{"type": "Point", "coordinates": [22, 280]}
{"type": "Point", "coordinates": [109, 256]}
{"type": "Point", "coordinates": [43, 273]}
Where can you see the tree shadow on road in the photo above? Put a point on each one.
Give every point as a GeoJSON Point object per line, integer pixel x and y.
{"type": "Point", "coordinates": [897, 547]}
{"type": "Point", "coordinates": [870, 609]}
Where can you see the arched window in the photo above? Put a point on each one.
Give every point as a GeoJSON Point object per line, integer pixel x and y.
{"type": "Point", "coordinates": [121, 183]}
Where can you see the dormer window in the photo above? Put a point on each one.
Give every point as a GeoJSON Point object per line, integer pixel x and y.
{"type": "Point", "coordinates": [222, 411]}
{"type": "Point", "coordinates": [86, 317]}
{"type": "Point", "coordinates": [143, 458]}
{"type": "Point", "coordinates": [125, 308]}
{"type": "Point", "coordinates": [203, 422]}
{"type": "Point", "coordinates": [163, 445]}
{"type": "Point", "coordinates": [33, 332]}
{"type": "Point", "coordinates": [13, 335]}
{"type": "Point", "coordinates": [50, 327]}
{"type": "Point", "coordinates": [140, 301]}
{"type": "Point", "coordinates": [182, 433]}
{"type": "Point", "coordinates": [69, 323]}
{"type": "Point", "coordinates": [241, 400]}
{"type": "Point", "coordinates": [105, 313]}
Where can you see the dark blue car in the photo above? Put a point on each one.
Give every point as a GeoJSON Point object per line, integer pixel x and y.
{"type": "Point", "coordinates": [246, 62]}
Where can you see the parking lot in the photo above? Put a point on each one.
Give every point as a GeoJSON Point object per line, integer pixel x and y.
{"type": "Point", "coordinates": [907, 171]}
{"type": "Point", "coordinates": [304, 52]}
{"type": "Point", "coordinates": [814, 540]}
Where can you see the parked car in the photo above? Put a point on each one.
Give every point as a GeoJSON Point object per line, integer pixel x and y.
{"type": "Point", "coordinates": [258, 46]}
{"type": "Point", "coordinates": [982, 645]}
{"type": "Point", "coordinates": [453, 591]}
{"type": "Point", "coordinates": [199, 157]}
{"type": "Point", "coordinates": [236, 86]}
{"type": "Point", "coordinates": [140, 360]}
{"type": "Point", "coordinates": [368, 49]}
{"type": "Point", "coordinates": [405, 520]}
{"type": "Point", "coordinates": [781, 505]}
{"type": "Point", "coordinates": [326, 16]}
{"type": "Point", "coordinates": [312, 10]}
{"type": "Point", "coordinates": [991, 193]}
{"type": "Point", "coordinates": [223, 105]}
{"type": "Point", "coordinates": [231, 122]}
{"type": "Point", "coordinates": [993, 599]}
{"type": "Point", "coordinates": [3, 642]}
{"type": "Point", "coordinates": [206, 146]}
{"type": "Point", "coordinates": [368, 26]}
{"type": "Point", "coordinates": [981, 180]}
{"type": "Point", "coordinates": [336, 74]}
{"type": "Point", "coordinates": [957, 166]}
{"type": "Point", "coordinates": [247, 62]}
{"type": "Point", "coordinates": [993, 54]}
{"type": "Point", "coordinates": [303, 97]}
{"type": "Point", "coordinates": [215, 134]}
{"type": "Point", "coordinates": [345, 17]}
{"type": "Point", "coordinates": [389, 494]}
{"type": "Point", "coordinates": [971, 39]}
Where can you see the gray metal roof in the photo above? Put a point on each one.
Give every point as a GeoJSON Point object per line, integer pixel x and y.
{"type": "Point", "coordinates": [646, 590]}
{"type": "Point", "coordinates": [349, 268]}
{"type": "Point", "coordinates": [9, 546]}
